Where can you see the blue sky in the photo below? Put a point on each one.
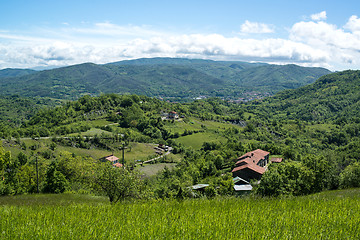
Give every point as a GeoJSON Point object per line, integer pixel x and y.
{"type": "Point", "coordinates": [58, 33]}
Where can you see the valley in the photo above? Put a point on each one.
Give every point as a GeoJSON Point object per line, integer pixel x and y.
{"type": "Point", "coordinates": [179, 120]}
{"type": "Point", "coordinates": [141, 151]}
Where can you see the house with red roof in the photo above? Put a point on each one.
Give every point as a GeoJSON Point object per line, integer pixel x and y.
{"type": "Point", "coordinates": [251, 165]}
{"type": "Point", "coordinates": [114, 161]}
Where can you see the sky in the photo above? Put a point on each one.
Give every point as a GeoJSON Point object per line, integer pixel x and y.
{"type": "Point", "coordinates": [41, 33]}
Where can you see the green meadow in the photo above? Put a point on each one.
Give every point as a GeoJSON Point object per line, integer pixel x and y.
{"type": "Point", "coordinates": [327, 215]}
{"type": "Point", "coordinates": [204, 131]}
{"type": "Point", "coordinates": [196, 140]}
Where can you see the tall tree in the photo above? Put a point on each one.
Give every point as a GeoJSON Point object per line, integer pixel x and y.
{"type": "Point", "coordinates": [116, 183]}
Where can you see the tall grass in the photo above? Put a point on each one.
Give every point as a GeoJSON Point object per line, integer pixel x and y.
{"type": "Point", "coordinates": [336, 216]}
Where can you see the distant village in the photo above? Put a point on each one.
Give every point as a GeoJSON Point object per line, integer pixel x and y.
{"type": "Point", "coordinates": [245, 97]}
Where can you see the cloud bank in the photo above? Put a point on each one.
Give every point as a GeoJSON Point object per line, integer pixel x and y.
{"type": "Point", "coordinates": [309, 43]}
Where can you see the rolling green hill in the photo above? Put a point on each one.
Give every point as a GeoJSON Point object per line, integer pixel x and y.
{"type": "Point", "coordinates": [14, 109]}
{"type": "Point", "coordinates": [164, 77]}
{"type": "Point", "coordinates": [331, 97]}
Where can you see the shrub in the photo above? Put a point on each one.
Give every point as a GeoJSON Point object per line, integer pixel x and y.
{"type": "Point", "coordinates": [350, 177]}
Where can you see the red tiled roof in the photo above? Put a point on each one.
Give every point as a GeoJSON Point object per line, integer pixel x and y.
{"type": "Point", "coordinates": [251, 166]}
{"type": "Point", "coordinates": [119, 165]}
{"type": "Point", "coordinates": [255, 156]}
{"type": "Point", "coordinates": [111, 158]}
{"type": "Point", "coordinates": [250, 161]}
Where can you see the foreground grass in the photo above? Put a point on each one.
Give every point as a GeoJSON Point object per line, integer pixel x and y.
{"type": "Point", "coordinates": [332, 215]}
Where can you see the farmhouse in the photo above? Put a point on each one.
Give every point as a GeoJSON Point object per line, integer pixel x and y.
{"type": "Point", "coordinates": [111, 158]}
{"type": "Point", "coordinates": [251, 165]}
{"type": "Point", "coordinates": [114, 160]}
{"type": "Point", "coordinates": [173, 115]}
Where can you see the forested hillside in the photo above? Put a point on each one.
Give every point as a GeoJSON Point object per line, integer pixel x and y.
{"type": "Point", "coordinates": [164, 77]}
{"type": "Point", "coordinates": [333, 97]}
{"type": "Point", "coordinates": [15, 110]}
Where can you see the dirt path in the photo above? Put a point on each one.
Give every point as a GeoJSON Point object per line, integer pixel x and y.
{"type": "Point", "coordinates": [161, 156]}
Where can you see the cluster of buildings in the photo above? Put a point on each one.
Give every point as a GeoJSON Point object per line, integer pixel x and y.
{"type": "Point", "coordinates": [250, 96]}
{"type": "Point", "coordinates": [249, 168]}
{"type": "Point", "coordinates": [172, 115]}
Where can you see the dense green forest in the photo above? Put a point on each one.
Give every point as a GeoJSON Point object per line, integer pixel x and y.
{"type": "Point", "coordinates": [15, 110]}
{"type": "Point", "coordinates": [314, 128]}
{"type": "Point", "coordinates": [177, 79]}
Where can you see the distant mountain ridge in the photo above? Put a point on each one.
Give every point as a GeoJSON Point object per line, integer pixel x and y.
{"type": "Point", "coordinates": [15, 72]}
{"type": "Point", "coordinates": [166, 77]}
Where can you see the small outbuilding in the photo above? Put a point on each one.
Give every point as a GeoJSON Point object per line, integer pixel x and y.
{"type": "Point", "coordinates": [118, 165]}
{"type": "Point", "coordinates": [276, 160]}
{"type": "Point", "coordinates": [199, 187]}
{"type": "Point", "coordinates": [241, 184]}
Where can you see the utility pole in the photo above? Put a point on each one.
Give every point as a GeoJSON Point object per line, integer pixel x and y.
{"type": "Point", "coordinates": [123, 154]}
{"type": "Point", "coordinates": [37, 175]}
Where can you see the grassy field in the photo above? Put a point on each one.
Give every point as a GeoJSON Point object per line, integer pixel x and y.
{"type": "Point", "coordinates": [92, 132]}
{"type": "Point", "coordinates": [195, 124]}
{"type": "Point", "coordinates": [152, 169]}
{"type": "Point", "coordinates": [66, 199]}
{"type": "Point", "coordinates": [328, 215]}
{"type": "Point", "coordinates": [197, 139]}
{"type": "Point", "coordinates": [210, 131]}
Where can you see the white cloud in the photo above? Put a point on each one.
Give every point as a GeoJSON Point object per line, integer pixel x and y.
{"type": "Point", "coordinates": [255, 27]}
{"type": "Point", "coordinates": [319, 16]}
{"type": "Point", "coordinates": [353, 24]}
{"type": "Point", "coordinates": [213, 46]}
{"type": "Point", "coordinates": [342, 47]}
{"type": "Point", "coordinates": [323, 34]}
{"type": "Point", "coordinates": [311, 43]}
